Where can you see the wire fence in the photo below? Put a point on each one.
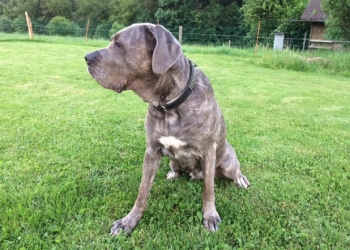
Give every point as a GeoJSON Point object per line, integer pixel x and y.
{"type": "Point", "coordinates": [213, 36]}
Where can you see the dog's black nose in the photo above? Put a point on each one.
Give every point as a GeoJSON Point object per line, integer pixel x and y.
{"type": "Point", "coordinates": [91, 57]}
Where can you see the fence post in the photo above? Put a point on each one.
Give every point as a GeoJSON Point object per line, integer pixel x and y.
{"type": "Point", "coordinates": [87, 30]}
{"type": "Point", "coordinates": [257, 39]}
{"type": "Point", "coordinates": [229, 43]}
{"type": "Point", "coordinates": [304, 42]}
{"type": "Point", "coordinates": [29, 24]}
{"type": "Point", "coordinates": [180, 35]}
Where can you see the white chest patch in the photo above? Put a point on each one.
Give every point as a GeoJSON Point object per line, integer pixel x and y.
{"type": "Point", "coordinates": [171, 141]}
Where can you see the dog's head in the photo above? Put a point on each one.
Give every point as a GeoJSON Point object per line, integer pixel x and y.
{"type": "Point", "coordinates": [141, 52]}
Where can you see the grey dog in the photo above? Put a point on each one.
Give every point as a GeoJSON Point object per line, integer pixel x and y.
{"type": "Point", "coordinates": [183, 122]}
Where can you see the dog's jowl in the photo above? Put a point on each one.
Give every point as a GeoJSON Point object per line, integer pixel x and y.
{"type": "Point", "coordinates": [183, 122]}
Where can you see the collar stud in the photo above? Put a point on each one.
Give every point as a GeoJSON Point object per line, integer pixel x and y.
{"type": "Point", "coordinates": [183, 96]}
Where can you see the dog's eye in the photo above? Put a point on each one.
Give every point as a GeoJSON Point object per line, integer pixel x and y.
{"type": "Point", "coordinates": [118, 44]}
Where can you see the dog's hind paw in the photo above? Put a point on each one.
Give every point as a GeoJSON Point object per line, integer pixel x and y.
{"type": "Point", "coordinates": [172, 175]}
{"type": "Point", "coordinates": [242, 181]}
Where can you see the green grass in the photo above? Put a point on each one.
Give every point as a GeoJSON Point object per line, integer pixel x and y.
{"type": "Point", "coordinates": [71, 155]}
{"type": "Point", "coordinates": [16, 37]}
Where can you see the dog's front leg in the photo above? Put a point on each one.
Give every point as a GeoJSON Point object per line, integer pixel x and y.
{"type": "Point", "coordinates": [151, 163]}
{"type": "Point", "coordinates": [210, 215]}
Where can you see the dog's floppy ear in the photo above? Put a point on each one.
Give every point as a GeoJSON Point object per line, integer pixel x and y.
{"type": "Point", "coordinates": [166, 49]}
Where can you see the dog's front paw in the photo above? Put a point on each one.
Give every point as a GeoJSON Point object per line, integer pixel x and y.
{"type": "Point", "coordinates": [211, 222]}
{"type": "Point", "coordinates": [123, 225]}
{"type": "Point", "coordinates": [242, 181]}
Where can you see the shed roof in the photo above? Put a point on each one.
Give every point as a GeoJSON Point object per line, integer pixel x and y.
{"type": "Point", "coordinates": [313, 12]}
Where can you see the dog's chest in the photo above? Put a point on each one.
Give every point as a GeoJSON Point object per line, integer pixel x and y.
{"type": "Point", "coordinates": [169, 134]}
{"type": "Point", "coordinates": [174, 148]}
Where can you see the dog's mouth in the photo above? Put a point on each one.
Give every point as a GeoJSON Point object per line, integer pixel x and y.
{"type": "Point", "coordinates": [101, 77]}
{"type": "Point", "coordinates": [90, 70]}
{"type": "Point", "coordinates": [100, 74]}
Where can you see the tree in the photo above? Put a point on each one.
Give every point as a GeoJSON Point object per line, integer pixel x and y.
{"type": "Point", "coordinates": [3, 5]}
{"type": "Point", "coordinates": [125, 12]}
{"type": "Point", "coordinates": [115, 28]}
{"type": "Point", "coordinates": [271, 13]}
{"type": "Point", "coordinates": [33, 8]}
{"type": "Point", "coordinates": [216, 14]}
{"type": "Point", "coordinates": [52, 8]}
{"type": "Point", "coordinates": [148, 9]}
{"type": "Point", "coordinates": [62, 26]}
{"type": "Point", "coordinates": [102, 30]}
{"type": "Point", "coordinates": [5, 25]}
{"type": "Point", "coordinates": [97, 10]}
{"type": "Point", "coordinates": [14, 8]}
{"type": "Point", "coordinates": [338, 23]}
{"type": "Point", "coordinates": [19, 24]}
{"type": "Point", "coordinates": [217, 19]}
{"type": "Point", "coordinates": [172, 13]}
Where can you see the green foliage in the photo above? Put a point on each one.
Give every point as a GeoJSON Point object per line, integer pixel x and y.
{"type": "Point", "coordinates": [125, 11]}
{"type": "Point", "coordinates": [3, 6]}
{"type": "Point", "coordinates": [62, 8]}
{"type": "Point", "coordinates": [146, 11]}
{"type": "Point", "coordinates": [52, 8]}
{"type": "Point", "coordinates": [205, 21]}
{"type": "Point", "coordinates": [288, 24]}
{"type": "Point", "coordinates": [15, 8]}
{"type": "Point", "coordinates": [39, 27]}
{"type": "Point", "coordinates": [95, 10]}
{"type": "Point", "coordinates": [20, 24]}
{"type": "Point", "coordinates": [102, 30]}
{"type": "Point", "coordinates": [115, 28]}
{"type": "Point", "coordinates": [217, 14]}
{"type": "Point", "coordinates": [172, 12]}
{"type": "Point", "coordinates": [61, 26]}
{"type": "Point", "coordinates": [5, 25]}
{"type": "Point", "coordinates": [338, 23]}
{"type": "Point", "coordinates": [211, 18]}
{"type": "Point", "coordinates": [12, 9]}
{"type": "Point", "coordinates": [272, 15]}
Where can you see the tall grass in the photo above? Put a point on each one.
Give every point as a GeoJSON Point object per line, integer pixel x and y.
{"type": "Point", "coordinates": [329, 62]}
{"type": "Point", "coordinates": [320, 61]}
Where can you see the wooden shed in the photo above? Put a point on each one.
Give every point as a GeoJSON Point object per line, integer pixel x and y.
{"type": "Point", "coordinates": [314, 15]}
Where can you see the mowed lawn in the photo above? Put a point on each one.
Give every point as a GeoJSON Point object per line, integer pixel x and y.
{"type": "Point", "coordinates": [71, 158]}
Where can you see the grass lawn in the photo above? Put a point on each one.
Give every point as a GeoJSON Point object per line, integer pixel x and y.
{"type": "Point", "coordinates": [71, 155]}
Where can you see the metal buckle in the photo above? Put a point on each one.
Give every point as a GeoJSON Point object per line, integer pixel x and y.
{"type": "Point", "coordinates": [164, 109]}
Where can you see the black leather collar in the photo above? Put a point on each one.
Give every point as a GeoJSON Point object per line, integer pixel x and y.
{"type": "Point", "coordinates": [183, 96]}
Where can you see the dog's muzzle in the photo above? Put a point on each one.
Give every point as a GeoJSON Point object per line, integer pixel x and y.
{"type": "Point", "coordinates": [92, 58]}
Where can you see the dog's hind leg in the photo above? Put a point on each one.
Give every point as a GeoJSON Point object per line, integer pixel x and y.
{"type": "Point", "coordinates": [230, 168]}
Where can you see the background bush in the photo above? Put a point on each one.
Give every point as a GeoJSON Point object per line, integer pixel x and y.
{"type": "Point", "coordinates": [39, 27]}
{"type": "Point", "coordinates": [61, 26]}
{"type": "Point", "coordinates": [102, 30]}
{"type": "Point", "coordinates": [19, 24]}
{"type": "Point", "coordinates": [115, 28]}
{"type": "Point", "coordinates": [5, 25]}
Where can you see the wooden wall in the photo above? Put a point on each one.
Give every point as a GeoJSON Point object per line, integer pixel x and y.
{"type": "Point", "coordinates": [317, 31]}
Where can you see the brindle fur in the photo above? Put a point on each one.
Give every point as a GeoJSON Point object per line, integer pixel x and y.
{"type": "Point", "coordinates": [148, 60]}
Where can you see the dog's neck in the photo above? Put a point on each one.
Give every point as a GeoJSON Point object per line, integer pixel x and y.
{"type": "Point", "coordinates": [173, 83]}
{"type": "Point", "coordinates": [158, 90]}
